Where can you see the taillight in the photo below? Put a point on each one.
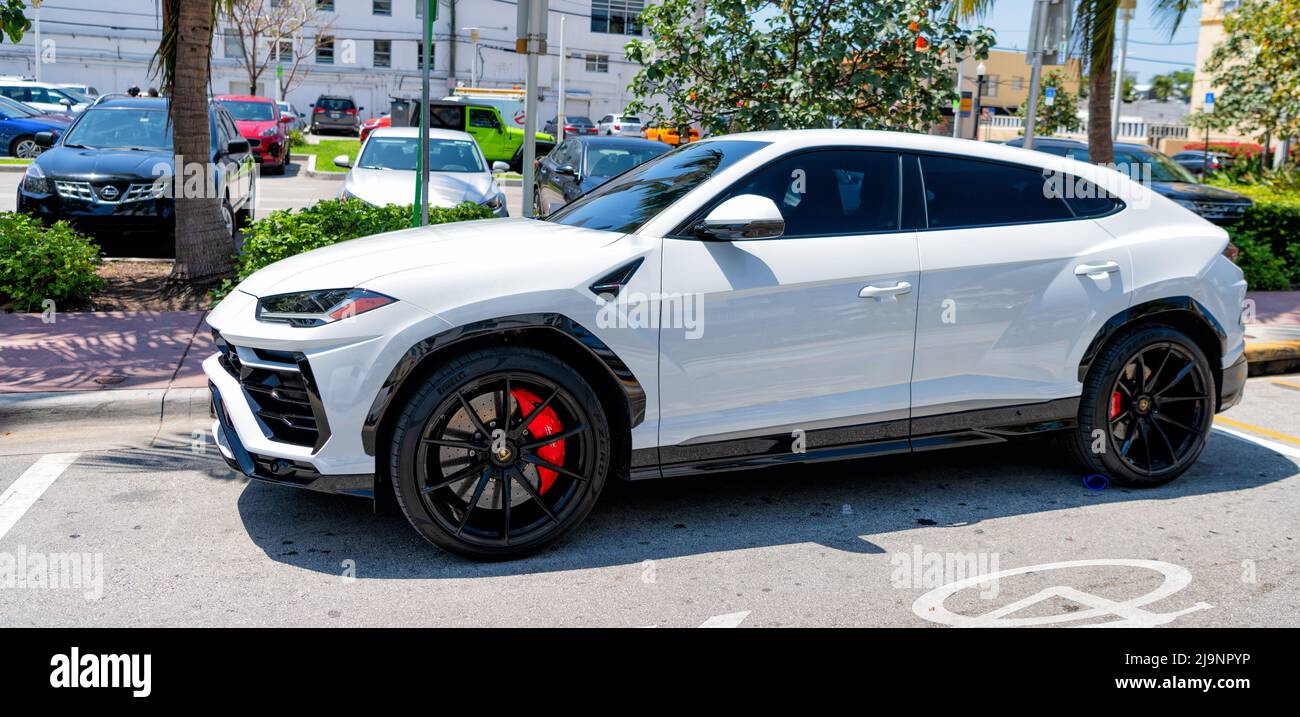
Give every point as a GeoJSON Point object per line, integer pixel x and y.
{"type": "Point", "coordinates": [1231, 251]}
{"type": "Point", "coordinates": [349, 112]}
{"type": "Point", "coordinates": [617, 127]}
{"type": "Point", "coordinates": [319, 111]}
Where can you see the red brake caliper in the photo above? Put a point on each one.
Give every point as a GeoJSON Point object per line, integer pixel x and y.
{"type": "Point", "coordinates": [545, 423]}
{"type": "Point", "coordinates": [1114, 404]}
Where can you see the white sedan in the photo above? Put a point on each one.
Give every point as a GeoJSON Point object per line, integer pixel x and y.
{"type": "Point", "coordinates": [749, 300]}
{"type": "Point", "coordinates": [385, 170]}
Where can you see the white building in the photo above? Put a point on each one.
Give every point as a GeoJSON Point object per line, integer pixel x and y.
{"type": "Point", "coordinates": [375, 51]}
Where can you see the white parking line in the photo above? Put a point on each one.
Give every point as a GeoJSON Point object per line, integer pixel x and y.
{"type": "Point", "coordinates": [25, 491]}
{"type": "Point", "coordinates": [730, 620]}
{"type": "Point", "coordinates": [1285, 450]}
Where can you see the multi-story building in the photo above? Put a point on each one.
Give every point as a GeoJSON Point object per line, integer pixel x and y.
{"type": "Point", "coordinates": [374, 52]}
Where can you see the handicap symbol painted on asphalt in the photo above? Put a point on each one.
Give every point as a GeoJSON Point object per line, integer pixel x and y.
{"type": "Point", "coordinates": [1128, 613]}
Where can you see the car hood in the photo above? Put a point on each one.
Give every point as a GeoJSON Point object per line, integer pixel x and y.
{"type": "Point", "coordinates": [1188, 191]}
{"type": "Point", "coordinates": [60, 119]}
{"type": "Point", "coordinates": [392, 186]}
{"type": "Point", "coordinates": [252, 129]}
{"type": "Point", "coordinates": [60, 161]}
{"type": "Point", "coordinates": [506, 245]}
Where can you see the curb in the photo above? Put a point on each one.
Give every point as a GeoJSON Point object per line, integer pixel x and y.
{"type": "Point", "coordinates": [1268, 358]}
{"type": "Point", "coordinates": [313, 172]}
{"type": "Point", "coordinates": [115, 407]}
{"type": "Point", "coordinates": [14, 167]}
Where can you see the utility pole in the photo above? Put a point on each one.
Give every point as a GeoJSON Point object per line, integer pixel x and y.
{"type": "Point", "coordinates": [559, 96]}
{"type": "Point", "coordinates": [980, 69]}
{"type": "Point", "coordinates": [420, 215]}
{"type": "Point", "coordinates": [956, 111]}
{"type": "Point", "coordinates": [530, 39]}
{"type": "Point", "coordinates": [1049, 31]}
{"type": "Point", "coordinates": [473, 60]}
{"type": "Point", "coordinates": [451, 46]}
{"type": "Point", "coordinates": [1036, 68]}
{"type": "Point", "coordinates": [1126, 13]}
{"type": "Point", "coordinates": [36, 48]}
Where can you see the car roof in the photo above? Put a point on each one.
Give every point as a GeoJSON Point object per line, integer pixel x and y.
{"type": "Point", "coordinates": [245, 98]}
{"type": "Point", "coordinates": [618, 142]}
{"type": "Point", "coordinates": [415, 132]}
{"type": "Point", "coordinates": [127, 101]}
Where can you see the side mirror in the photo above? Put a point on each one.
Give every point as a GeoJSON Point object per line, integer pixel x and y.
{"type": "Point", "coordinates": [566, 169]}
{"type": "Point", "coordinates": [237, 146]}
{"type": "Point", "coordinates": [361, 109]}
{"type": "Point", "coordinates": [499, 166]}
{"type": "Point", "coordinates": [342, 161]}
{"type": "Point", "coordinates": [747, 216]}
{"type": "Point", "coordinates": [65, 102]}
{"type": "Point", "coordinates": [44, 139]}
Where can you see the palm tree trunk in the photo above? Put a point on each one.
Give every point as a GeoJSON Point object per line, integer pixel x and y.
{"type": "Point", "coordinates": [203, 246]}
{"type": "Point", "coordinates": [1101, 149]}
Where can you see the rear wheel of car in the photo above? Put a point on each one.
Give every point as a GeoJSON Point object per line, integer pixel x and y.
{"type": "Point", "coordinates": [24, 147]}
{"type": "Point", "coordinates": [1148, 404]}
{"type": "Point", "coordinates": [500, 453]}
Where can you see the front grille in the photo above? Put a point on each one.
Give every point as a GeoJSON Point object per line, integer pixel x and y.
{"type": "Point", "coordinates": [1220, 210]}
{"type": "Point", "coordinates": [74, 190]}
{"type": "Point", "coordinates": [282, 391]}
{"type": "Point", "coordinates": [134, 192]}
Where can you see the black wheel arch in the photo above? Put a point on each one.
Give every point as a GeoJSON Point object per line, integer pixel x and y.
{"type": "Point", "coordinates": [1179, 312]}
{"type": "Point", "coordinates": [621, 394]}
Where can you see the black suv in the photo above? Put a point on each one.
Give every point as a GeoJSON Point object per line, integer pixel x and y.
{"type": "Point", "coordinates": [336, 113]}
{"type": "Point", "coordinates": [108, 173]}
{"type": "Point", "coordinates": [1165, 176]}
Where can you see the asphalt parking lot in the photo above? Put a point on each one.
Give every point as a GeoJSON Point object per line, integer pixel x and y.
{"type": "Point", "coordinates": [181, 540]}
{"type": "Point", "coordinates": [294, 190]}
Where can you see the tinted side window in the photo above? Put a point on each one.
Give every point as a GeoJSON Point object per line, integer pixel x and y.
{"type": "Point", "coordinates": [971, 193]}
{"type": "Point", "coordinates": [825, 192]}
{"type": "Point", "coordinates": [1089, 200]}
{"type": "Point", "coordinates": [482, 118]}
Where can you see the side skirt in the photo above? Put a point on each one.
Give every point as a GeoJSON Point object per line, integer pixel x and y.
{"type": "Point", "coordinates": [781, 446]}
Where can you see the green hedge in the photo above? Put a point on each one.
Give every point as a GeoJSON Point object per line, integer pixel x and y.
{"type": "Point", "coordinates": [1268, 236]}
{"type": "Point", "coordinates": [39, 262]}
{"type": "Point", "coordinates": [284, 233]}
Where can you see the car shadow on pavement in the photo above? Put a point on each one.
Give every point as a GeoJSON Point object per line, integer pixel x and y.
{"type": "Point", "coordinates": [836, 505]}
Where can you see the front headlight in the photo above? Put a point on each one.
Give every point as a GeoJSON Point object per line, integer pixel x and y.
{"type": "Point", "coordinates": [34, 180]}
{"type": "Point", "coordinates": [269, 132]}
{"type": "Point", "coordinates": [497, 201]}
{"type": "Point", "coordinates": [317, 308]}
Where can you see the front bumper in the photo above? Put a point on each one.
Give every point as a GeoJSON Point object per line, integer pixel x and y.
{"type": "Point", "coordinates": [295, 399]}
{"type": "Point", "coordinates": [96, 217]}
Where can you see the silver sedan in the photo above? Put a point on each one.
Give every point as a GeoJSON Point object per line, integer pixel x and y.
{"type": "Point", "coordinates": [385, 170]}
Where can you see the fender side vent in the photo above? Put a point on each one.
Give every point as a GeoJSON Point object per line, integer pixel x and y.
{"type": "Point", "coordinates": [613, 282]}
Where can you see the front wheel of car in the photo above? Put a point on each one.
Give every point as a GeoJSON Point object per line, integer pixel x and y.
{"type": "Point", "coordinates": [1147, 407]}
{"type": "Point", "coordinates": [24, 147]}
{"type": "Point", "coordinates": [500, 453]}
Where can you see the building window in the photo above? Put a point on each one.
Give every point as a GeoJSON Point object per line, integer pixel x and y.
{"type": "Point", "coordinates": [597, 63]}
{"type": "Point", "coordinates": [381, 7]}
{"type": "Point", "coordinates": [233, 42]}
{"type": "Point", "coordinates": [285, 53]}
{"type": "Point", "coordinates": [1017, 83]}
{"type": "Point", "coordinates": [383, 53]}
{"type": "Point", "coordinates": [325, 5]}
{"type": "Point", "coordinates": [419, 55]}
{"type": "Point", "coordinates": [617, 17]}
{"type": "Point", "coordinates": [990, 86]}
{"type": "Point", "coordinates": [325, 51]}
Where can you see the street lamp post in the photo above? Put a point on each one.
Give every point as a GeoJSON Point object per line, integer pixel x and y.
{"type": "Point", "coordinates": [473, 60]}
{"type": "Point", "coordinates": [980, 70]}
{"type": "Point", "coordinates": [1126, 13]}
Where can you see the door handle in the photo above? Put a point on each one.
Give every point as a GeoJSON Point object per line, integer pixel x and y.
{"type": "Point", "coordinates": [1108, 267]}
{"type": "Point", "coordinates": [882, 292]}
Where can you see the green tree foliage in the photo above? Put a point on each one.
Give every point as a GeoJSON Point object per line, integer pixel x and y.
{"type": "Point", "coordinates": [1255, 70]}
{"type": "Point", "coordinates": [736, 65]}
{"type": "Point", "coordinates": [1062, 116]}
{"type": "Point", "coordinates": [12, 21]}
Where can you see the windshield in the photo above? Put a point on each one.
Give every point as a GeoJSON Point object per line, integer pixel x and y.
{"type": "Point", "coordinates": [1162, 168]}
{"type": "Point", "coordinates": [445, 155]}
{"type": "Point", "coordinates": [121, 129]}
{"type": "Point", "coordinates": [250, 111]}
{"type": "Point", "coordinates": [14, 108]}
{"type": "Point", "coordinates": [76, 96]}
{"type": "Point", "coordinates": [614, 160]}
{"type": "Point", "coordinates": [632, 199]}
{"type": "Point", "coordinates": [335, 104]}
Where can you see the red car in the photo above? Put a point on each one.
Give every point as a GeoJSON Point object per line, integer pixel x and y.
{"type": "Point", "coordinates": [371, 125]}
{"type": "Point", "coordinates": [260, 122]}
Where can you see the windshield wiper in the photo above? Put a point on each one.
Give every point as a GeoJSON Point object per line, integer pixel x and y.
{"type": "Point", "coordinates": [77, 146]}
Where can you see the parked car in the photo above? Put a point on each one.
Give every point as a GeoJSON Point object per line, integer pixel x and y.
{"type": "Point", "coordinates": [1196, 162]}
{"type": "Point", "coordinates": [373, 124]}
{"type": "Point", "coordinates": [267, 131]}
{"type": "Point", "coordinates": [83, 90]}
{"type": "Point", "coordinates": [756, 299]}
{"type": "Point", "coordinates": [624, 125]}
{"type": "Point", "coordinates": [580, 164]}
{"type": "Point", "coordinates": [385, 170]}
{"type": "Point", "coordinates": [106, 173]}
{"type": "Point", "coordinates": [288, 110]}
{"type": "Point", "coordinates": [573, 125]}
{"type": "Point", "coordinates": [668, 135]}
{"type": "Point", "coordinates": [19, 125]}
{"type": "Point", "coordinates": [336, 114]}
{"type": "Point", "coordinates": [43, 96]}
{"type": "Point", "coordinates": [499, 142]}
{"type": "Point", "coordinates": [1167, 178]}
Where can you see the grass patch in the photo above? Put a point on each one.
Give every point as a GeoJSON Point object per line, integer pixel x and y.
{"type": "Point", "coordinates": [11, 160]}
{"type": "Point", "coordinates": [327, 150]}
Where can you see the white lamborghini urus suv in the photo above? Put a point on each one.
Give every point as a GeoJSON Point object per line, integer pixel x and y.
{"type": "Point", "coordinates": [749, 300]}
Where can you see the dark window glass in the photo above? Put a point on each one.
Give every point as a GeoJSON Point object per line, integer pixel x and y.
{"type": "Point", "coordinates": [829, 191]}
{"type": "Point", "coordinates": [1088, 200]}
{"type": "Point", "coordinates": [628, 201]}
{"type": "Point", "coordinates": [335, 104]}
{"type": "Point", "coordinates": [486, 119]}
{"type": "Point", "coordinates": [971, 193]}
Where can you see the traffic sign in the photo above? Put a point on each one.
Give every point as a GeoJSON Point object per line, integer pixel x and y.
{"type": "Point", "coordinates": [1050, 93]}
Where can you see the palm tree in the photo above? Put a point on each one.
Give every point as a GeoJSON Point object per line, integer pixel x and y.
{"type": "Point", "coordinates": [1094, 35]}
{"type": "Point", "coordinates": [203, 244]}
